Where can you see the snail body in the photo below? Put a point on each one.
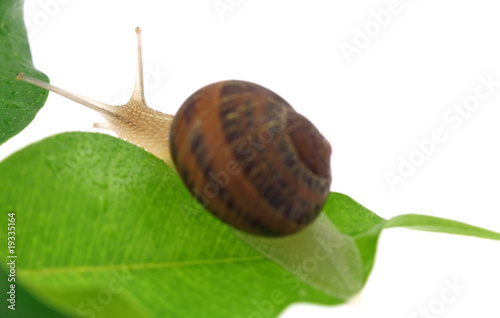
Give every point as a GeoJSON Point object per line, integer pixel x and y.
{"type": "Point", "coordinates": [240, 149]}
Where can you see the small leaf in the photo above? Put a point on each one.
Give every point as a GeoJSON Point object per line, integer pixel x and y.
{"type": "Point", "coordinates": [25, 304]}
{"type": "Point", "coordinates": [435, 224]}
{"type": "Point", "coordinates": [19, 102]}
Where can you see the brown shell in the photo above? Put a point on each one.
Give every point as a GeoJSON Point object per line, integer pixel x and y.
{"type": "Point", "coordinates": [250, 159]}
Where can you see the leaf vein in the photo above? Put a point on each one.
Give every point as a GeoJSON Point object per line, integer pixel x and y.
{"type": "Point", "coordinates": [83, 269]}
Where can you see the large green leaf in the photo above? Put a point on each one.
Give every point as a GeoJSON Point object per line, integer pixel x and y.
{"type": "Point", "coordinates": [96, 214]}
{"type": "Point", "coordinates": [105, 228]}
{"type": "Point", "coordinates": [19, 102]}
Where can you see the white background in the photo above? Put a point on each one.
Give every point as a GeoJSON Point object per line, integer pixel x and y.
{"type": "Point", "coordinates": [395, 90]}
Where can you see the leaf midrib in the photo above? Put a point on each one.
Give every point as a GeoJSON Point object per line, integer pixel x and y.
{"type": "Point", "coordinates": [142, 266]}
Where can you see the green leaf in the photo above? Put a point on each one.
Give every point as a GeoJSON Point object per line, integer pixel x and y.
{"type": "Point", "coordinates": [434, 224]}
{"type": "Point", "coordinates": [105, 228]}
{"type": "Point", "coordinates": [25, 304]}
{"type": "Point", "coordinates": [19, 102]}
{"type": "Point", "coordinates": [96, 215]}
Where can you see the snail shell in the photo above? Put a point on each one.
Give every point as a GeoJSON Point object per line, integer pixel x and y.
{"type": "Point", "coordinates": [250, 159]}
{"type": "Point", "coordinates": [240, 149]}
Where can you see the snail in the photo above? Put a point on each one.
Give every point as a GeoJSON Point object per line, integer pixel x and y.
{"type": "Point", "coordinates": [252, 161]}
{"type": "Point", "coordinates": [239, 148]}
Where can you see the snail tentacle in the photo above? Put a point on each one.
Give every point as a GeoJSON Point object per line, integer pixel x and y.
{"type": "Point", "coordinates": [133, 121]}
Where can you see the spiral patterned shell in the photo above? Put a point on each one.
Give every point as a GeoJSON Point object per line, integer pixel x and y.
{"type": "Point", "coordinates": [250, 159]}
